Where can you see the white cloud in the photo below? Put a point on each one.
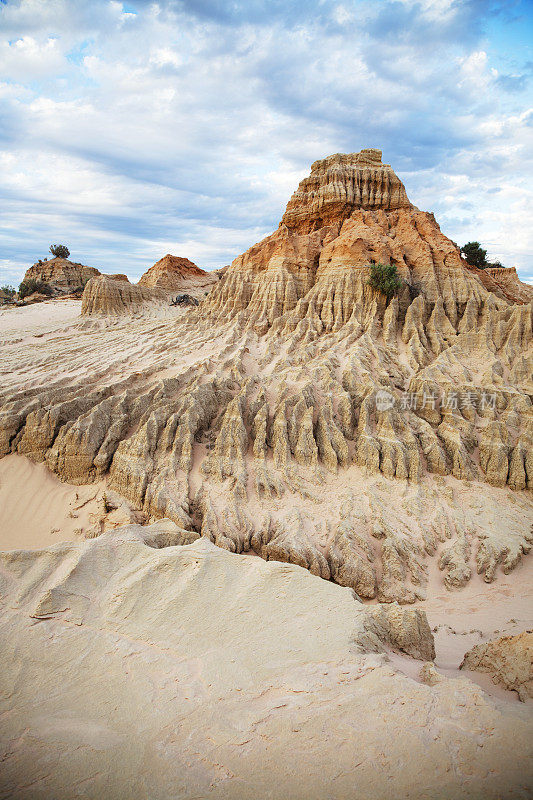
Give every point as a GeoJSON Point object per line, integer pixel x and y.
{"type": "Point", "coordinates": [134, 126]}
{"type": "Point", "coordinates": [27, 59]}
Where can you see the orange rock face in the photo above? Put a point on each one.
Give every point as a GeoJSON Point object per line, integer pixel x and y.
{"type": "Point", "coordinates": [176, 273]}
{"type": "Point", "coordinates": [350, 212]}
{"type": "Point", "coordinates": [505, 283]}
{"type": "Point", "coordinates": [338, 185]}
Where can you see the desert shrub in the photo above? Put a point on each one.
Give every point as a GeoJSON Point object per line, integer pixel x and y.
{"type": "Point", "coordinates": [384, 278]}
{"type": "Point", "coordinates": [59, 250]}
{"type": "Point", "coordinates": [475, 255]}
{"type": "Point", "coordinates": [31, 285]}
{"type": "Point", "coordinates": [9, 290]}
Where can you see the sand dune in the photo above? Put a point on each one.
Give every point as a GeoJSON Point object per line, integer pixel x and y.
{"type": "Point", "coordinates": [36, 509]}
{"type": "Point", "coordinates": [192, 672]}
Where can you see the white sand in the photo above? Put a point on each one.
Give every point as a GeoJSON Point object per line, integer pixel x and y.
{"type": "Point", "coordinates": [18, 323]}
{"type": "Point", "coordinates": [192, 672]}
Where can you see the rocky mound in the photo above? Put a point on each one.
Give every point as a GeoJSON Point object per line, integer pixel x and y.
{"type": "Point", "coordinates": [177, 274]}
{"type": "Point", "coordinates": [224, 675]}
{"type": "Point", "coordinates": [508, 660]}
{"type": "Point", "coordinates": [116, 295]}
{"type": "Point", "coordinates": [61, 274]}
{"type": "Point", "coordinates": [298, 413]}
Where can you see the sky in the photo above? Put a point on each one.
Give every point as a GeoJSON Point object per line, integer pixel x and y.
{"type": "Point", "coordinates": [133, 129]}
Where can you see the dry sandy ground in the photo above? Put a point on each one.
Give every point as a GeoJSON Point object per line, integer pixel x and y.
{"type": "Point", "coordinates": [191, 672]}
{"type": "Point", "coordinates": [37, 510]}
{"type": "Point", "coordinates": [37, 319]}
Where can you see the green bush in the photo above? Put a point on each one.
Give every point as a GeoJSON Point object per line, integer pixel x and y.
{"type": "Point", "coordinates": [31, 285]}
{"type": "Point", "coordinates": [384, 278]}
{"type": "Point", "coordinates": [475, 255]}
{"type": "Point", "coordinates": [9, 290]}
{"type": "Point", "coordinates": [59, 250]}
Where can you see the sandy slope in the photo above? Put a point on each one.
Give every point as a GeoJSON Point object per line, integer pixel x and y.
{"type": "Point", "coordinates": [195, 673]}
{"type": "Point", "coordinates": [37, 510]}
{"type": "Point", "coordinates": [28, 322]}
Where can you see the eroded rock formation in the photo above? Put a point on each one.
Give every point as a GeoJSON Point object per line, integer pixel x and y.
{"type": "Point", "coordinates": [299, 414]}
{"type": "Point", "coordinates": [61, 274]}
{"type": "Point", "coordinates": [116, 295]}
{"type": "Point", "coordinates": [177, 274]}
{"type": "Point", "coordinates": [509, 662]}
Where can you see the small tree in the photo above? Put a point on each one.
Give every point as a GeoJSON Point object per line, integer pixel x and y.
{"type": "Point", "coordinates": [384, 278]}
{"type": "Point", "coordinates": [475, 255]}
{"type": "Point", "coordinates": [9, 290]}
{"type": "Point", "coordinates": [59, 250]}
{"type": "Point", "coordinates": [31, 285]}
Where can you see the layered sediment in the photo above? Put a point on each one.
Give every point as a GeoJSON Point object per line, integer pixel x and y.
{"type": "Point", "coordinates": [177, 274]}
{"type": "Point", "coordinates": [116, 295]}
{"type": "Point", "coordinates": [61, 274]}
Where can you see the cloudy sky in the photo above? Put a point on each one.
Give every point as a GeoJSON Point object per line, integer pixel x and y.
{"type": "Point", "coordinates": [133, 129]}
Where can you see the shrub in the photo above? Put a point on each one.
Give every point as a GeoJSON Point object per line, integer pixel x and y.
{"type": "Point", "coordinates": [475, 255]}
{"type": "Point", "coordinates": [31, 285]}
{"type": "Point", "coordinates": [9, 290]}
{"type": "Point", "coordinates": [59, 250]}
{"type": "Point", "coordinates": [384, 278]}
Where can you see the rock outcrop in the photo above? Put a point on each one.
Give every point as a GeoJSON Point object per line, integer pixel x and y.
{"type": "Point", "coordinates": [61, 274]}
{"type": "Point", "coordinates": [170, 278]}
{"type": "Point", "coordinates": [505, 283]}
{"type": "Point", "coordinates": [178, 275]}
{"type": "Point", "coordinates": [116, 295]}
{"type": "Point", "coordinates": [509, 662]}
{"type": "Point", "coordinates": [298, 413]}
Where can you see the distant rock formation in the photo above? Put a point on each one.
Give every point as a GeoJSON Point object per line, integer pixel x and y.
{"type": "Point", "coordinates": [504, 283]}
{"type": "Point", "coordinates": [169, 278]}
{"type": "Point", "coordinates": [61, 274]}
{"type": "Point", "coordinates": [177, 274]}
{"type": "Point", "coordinates": [116, 295]}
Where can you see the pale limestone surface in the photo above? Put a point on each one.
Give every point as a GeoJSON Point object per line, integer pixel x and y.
{"type": "Point", "coordinates": [129, 671]}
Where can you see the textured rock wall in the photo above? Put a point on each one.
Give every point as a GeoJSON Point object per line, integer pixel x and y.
{"type": "Point", "coordinates": [61, 273]}
{"type": "Point", "coordinates": [103, 295]}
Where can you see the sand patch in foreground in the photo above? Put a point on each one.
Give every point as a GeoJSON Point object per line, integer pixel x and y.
{"type": "Point", "coordinates": [37, 319]}
{"type": "Point", "coordinates": [37, 509]}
